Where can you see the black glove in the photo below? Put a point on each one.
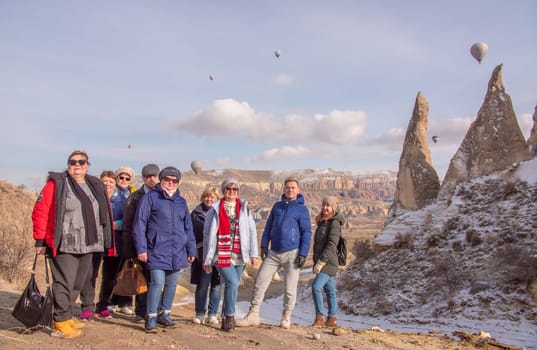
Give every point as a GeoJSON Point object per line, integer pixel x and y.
{"type": "Point", "coordinates": [264, 253]}
{"type": "Point", "coordinates": [299, 261]}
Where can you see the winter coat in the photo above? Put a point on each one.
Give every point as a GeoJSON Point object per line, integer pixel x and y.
{"type": "Point", "coordinates": [129, 251]}
{"type": "Point", "coordinates": [247, 231]}
{"type": "Point", "coordinates": [162, 228]}
{"type": "Point", "coordinates": [325, 241]}
{"type": "Point", "coordinates": [288, 227]}
{"type": "Point", "coordinates": [49, 210]}
{"type": "Point", "coordinates": [198, 220]}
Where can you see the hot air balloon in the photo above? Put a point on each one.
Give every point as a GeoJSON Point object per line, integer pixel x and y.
{"type": "Point", "coordinates": [211, 77]}
{"type": "Point", "coordinates": [277, 53]}
{"type": "Point", "coordinates": [479, 50]}
{"type": "Point", "coordinates": [130, 146]}
{"type": "Point", "coordinates": [196, 166]}
{"type": "Point", "coordinates": [435, 138]}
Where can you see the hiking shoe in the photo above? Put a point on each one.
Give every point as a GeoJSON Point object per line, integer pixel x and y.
{"type": "Point", "coordinates": [104, 314]}
{"type": "Point", "coordinates": [164, 320]}
{"type": "Point", "coordinates": [86, 316]}
{"type": "Point", "coordinates": [126, 310]}
{"type": "Point", "coordinates": [198, 319]}
{"type": "Point", "coordinates": [150, 324]}
{"type": "Point", "coordinates": [212, 320]}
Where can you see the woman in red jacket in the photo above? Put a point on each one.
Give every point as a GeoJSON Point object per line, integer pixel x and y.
{"type": "Point", "coordinates": [71, 221]}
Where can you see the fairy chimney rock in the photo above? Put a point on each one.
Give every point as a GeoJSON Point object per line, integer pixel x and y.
{"type": "Point", "coordinates": [417, 182]}
{"type": "Point", "coordinates": [532, 140]}
{"type": "Point", "coordinates": [493, 142]}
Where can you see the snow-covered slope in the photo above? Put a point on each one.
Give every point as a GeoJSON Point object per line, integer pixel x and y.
{"type": "Point", "coordinates": [472, 258]}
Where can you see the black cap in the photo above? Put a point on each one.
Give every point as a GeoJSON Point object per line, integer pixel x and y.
{"type": "Point", "coordinates": [150, 169]}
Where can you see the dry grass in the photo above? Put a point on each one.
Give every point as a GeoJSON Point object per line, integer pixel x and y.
{"type": "Point", "coordinates": [16, 239]}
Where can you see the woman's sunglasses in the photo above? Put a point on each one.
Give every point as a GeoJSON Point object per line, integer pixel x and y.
{"type": "Point", "coordinates": [73, 162]}
{"type": "Point", "coordinates": [124, 178]}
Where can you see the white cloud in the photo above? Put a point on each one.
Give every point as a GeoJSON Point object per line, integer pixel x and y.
{"type": "Point", "coordinates": [283, 153]}
{"type": "Point", "coordinates": [283, 79]}
{"type": "Point", "coordinates": [230, 118]}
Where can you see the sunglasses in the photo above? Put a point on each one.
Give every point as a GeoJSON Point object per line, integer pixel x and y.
{"type": "Point", "coordinates": [232, 189]}
{"type": "Point", "coordinates": [73, 162]}
{"type": "Point", "coordinates": [124, 178]}
{"type": "Point", "coordinates": [171, 179]}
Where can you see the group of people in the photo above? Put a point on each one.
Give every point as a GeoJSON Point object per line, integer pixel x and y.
{"type": "Point", "coordinates": [87, 224]}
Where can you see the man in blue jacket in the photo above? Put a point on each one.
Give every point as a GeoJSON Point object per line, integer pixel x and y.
{"type": "Point", "coordinates": [288, 230]}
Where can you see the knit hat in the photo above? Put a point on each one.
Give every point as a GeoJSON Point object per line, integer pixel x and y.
{"type": "Point", "coordinates": [169, 171]}
{"type": "Point", "coordinates": [229, 180]}
{"type": "Point", "coordinates": [150, 169]}
{"type": "Point", "coordinates": [331, 201]}
{"type": "Point", "coordinates": [125, 170]}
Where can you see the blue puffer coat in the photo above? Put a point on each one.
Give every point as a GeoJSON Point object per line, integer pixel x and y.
{"type": "Point", "coordinates": [288, 227]}
{"type": "Point", "coordinates": [163, 228]}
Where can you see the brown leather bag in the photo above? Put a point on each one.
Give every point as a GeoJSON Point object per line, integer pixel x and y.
{"type": "Point", "coordinates": [130, 280]}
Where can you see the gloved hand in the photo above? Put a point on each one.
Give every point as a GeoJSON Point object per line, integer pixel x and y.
{"type": "Point", "coordinates": [318, 267]}
{"type": "Point", "coordinates": [299, 261]}
{"type": "Point", "coordinates": [264, 253]}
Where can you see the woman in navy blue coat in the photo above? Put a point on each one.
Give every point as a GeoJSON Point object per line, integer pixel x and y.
{"type": "Point", "coordinates": [164, 239]}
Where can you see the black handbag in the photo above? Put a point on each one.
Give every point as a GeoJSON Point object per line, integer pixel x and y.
{"type": "Point", "coordinates": [33, 309]}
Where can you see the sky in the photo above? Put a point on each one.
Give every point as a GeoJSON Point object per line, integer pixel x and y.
{"type": "Point", "coordinates": [105, 75]}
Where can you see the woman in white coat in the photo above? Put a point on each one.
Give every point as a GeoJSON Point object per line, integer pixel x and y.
{"type": "Point", "coordinates": [230, 242]}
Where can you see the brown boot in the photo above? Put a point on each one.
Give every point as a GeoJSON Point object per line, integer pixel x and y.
{"type": "Point", "coordinates": [228, 323]}
{"type": "Point", "coordinates": [319, 321]}
{"type": "Point", "coordinates": [331, 322]}
{"type": "Point", "coordinates": [63, 329]}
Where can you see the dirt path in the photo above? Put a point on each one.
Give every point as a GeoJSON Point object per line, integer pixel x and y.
{"type": "Point", "coordinates": [123, 333]}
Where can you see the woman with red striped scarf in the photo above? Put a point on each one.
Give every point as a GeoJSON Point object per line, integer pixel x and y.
{"type": "Point", "coordinates": [230, 242]}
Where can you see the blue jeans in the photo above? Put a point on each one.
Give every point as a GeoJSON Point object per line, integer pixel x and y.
{"type": "Point", "coordinates": [157, 298]}
{"type": "Point", "coordinates": [232, 277]}
{"type": "Point", "coordinates": [324, 282]}
{"type": "Point", "coordinates": [201, 295]}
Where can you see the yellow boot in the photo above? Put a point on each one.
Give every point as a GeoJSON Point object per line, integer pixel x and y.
{"type": "Point", "coordinates": [63, 329]}
{"type": "Point", "coordinates": [76, 324]}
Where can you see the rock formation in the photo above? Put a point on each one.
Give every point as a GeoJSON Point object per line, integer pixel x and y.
{"type": "Point", "coordinates": [417, 182]}
{"type": "Point", "coordinates": [493, 142]}
{"type": "Point", "coordinates": [532, 140]}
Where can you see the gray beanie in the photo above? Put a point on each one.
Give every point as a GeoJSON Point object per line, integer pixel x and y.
{"type": "Point", "coordinates": [169, 171]}
{"type": "Point", "coordinates": [229, 180]}
{"type": "Point", "coordinates": [150, 169]}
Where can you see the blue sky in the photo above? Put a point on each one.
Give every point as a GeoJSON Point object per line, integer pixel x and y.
{"type": "Point", "coordinates": [103, 75]}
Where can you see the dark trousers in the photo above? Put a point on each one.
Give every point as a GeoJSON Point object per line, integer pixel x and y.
{"type": "Point", "coordinates": [87, 294]}
{"type": "Point", "coordinates": [110, 269]}
{"type": "Point", "coordinates": [69, 274]}
{"type": "Point", "coordinates": [141, 299]}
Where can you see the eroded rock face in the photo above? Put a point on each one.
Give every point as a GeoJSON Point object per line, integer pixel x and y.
{"type": "Point", "coordinates": [493, 142]}
{"type": "Point", "coordinates": [532, 140]}
{"type": "Point", "coordinates": [417, 181]}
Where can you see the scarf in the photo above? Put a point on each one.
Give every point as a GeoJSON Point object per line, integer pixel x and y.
{"type": "Point", "coordinates": [88, 215]}
{"type": "Point", "coordinates": [226, 243]}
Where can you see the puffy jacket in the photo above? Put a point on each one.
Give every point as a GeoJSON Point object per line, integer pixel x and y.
{"type": "Point", "coordinates": [49, 211]}
{"type": "Point", "coordinates": [288, 227]}
{"type": "Point", "coordinates": [163, 229]}
{"type": "Point", "coordinates": [247, 233]}
{"type": "Point", "coordinates": [325, 243]}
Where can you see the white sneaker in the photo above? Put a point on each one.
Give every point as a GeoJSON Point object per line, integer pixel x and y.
{"type": "Point", "coordinates": [213, 320]}
{"type": "Point", "coordinates": [126, 310]}
{"type": "Point", "coordinates": [198, 320]}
